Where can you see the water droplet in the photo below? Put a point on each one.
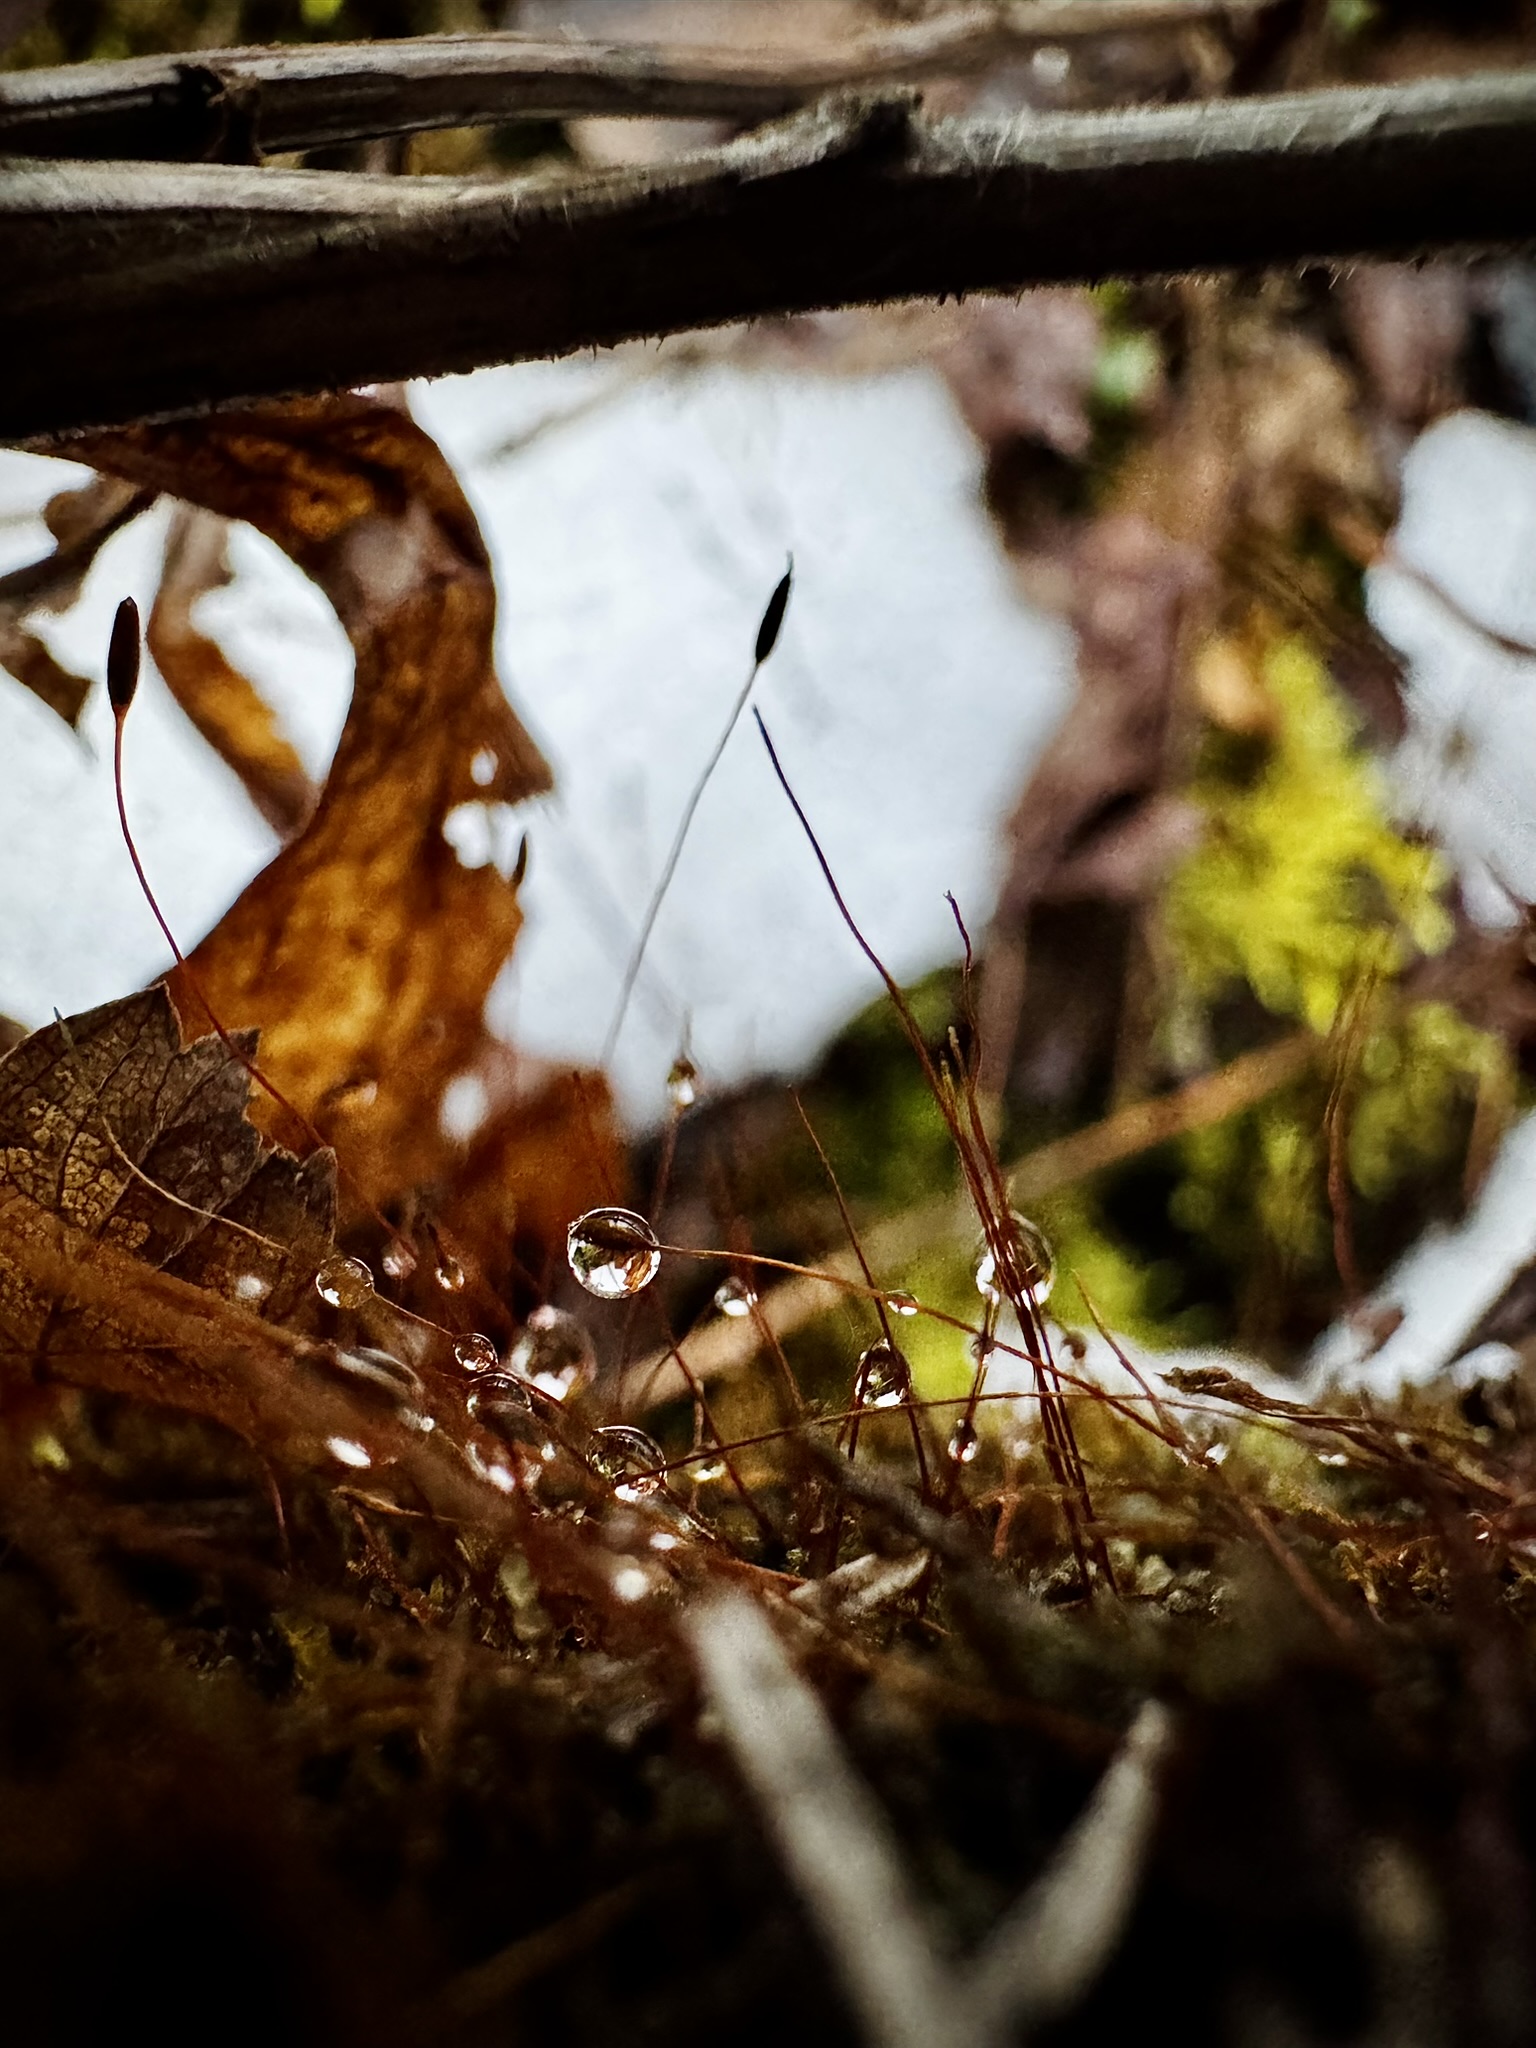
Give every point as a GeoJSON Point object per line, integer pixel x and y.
{"type": "Point", "coordinates": [555, 1352]}
{"type": "Point", "coordinates": [683, 1085]}
{"type": "Point", "coordinates": [612, 1252]}
{"type": "Point", "coordinates": [963, 1442]}
{"type": "Point", "coordinates": [476, 1353]}
{"type": "Point", "coordinates": [734, 1297]}
{"type": "Point", "coordinates": [1028, 1264]}
{"type": "Point", "coordinates": [347, 1451]}
{"type": "Point", "coordinates": [449, 1274]}
{"type": "Point", "coordinates": [499, 1396]}
{"type": "Point", "coordinates": [707, 1470]}
{"type": "Point", "coordinates": [901, 1304]}
{"type": "Point", "coordinates": [629, 1457]}
{"type": "Point", "coordinates": [883, 1379]}
{"type": "Point", "coordinates": [343, 1282]}
{"type": "Point", "coordinates": [252, 1287]}
{"type": "Point", "coordinates": [398, 1261]}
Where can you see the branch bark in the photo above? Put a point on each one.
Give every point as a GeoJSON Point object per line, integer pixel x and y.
{"type": "Point", "coordinates": [237, 104]}
{"type": "Point", "coordinates": [141, 290]}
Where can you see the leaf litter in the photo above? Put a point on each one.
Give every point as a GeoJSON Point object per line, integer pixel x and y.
{"type": "Point", "coordinates": [479, 1670]}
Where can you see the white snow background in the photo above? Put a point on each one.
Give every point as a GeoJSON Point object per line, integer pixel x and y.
{"type": "Point", "coordinates": [636, 542]}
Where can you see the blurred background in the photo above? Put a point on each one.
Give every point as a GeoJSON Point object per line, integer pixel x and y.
{"type": "Point", "coordinates": [1183, 634]}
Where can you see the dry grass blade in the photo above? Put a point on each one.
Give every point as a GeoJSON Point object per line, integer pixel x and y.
{"type": "Point", "coordinates": [1048, 1950]}
{"type": "Point", "coordinates": [831, 1836]}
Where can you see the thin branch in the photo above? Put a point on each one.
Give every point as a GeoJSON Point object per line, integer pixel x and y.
{"type": "Point", "coordinates": [235, 104]}
{"type": "Point", "coordinates": [142, 290]}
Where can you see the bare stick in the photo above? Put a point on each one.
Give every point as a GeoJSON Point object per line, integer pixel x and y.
{"type": "Point", "coordinates": [229, 103]}
{"type": "Point", "coordinates": [218, 284]}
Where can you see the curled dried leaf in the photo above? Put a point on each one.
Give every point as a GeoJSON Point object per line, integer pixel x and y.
{"type": "Point", "coordinates": [364, 953]}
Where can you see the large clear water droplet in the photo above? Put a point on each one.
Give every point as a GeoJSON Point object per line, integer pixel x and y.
{"type": "Point", "coordinates": [963, 1442]}
{"type": "Point", "coordinates": [476, 1353]}
{"type": "Point", "coordinates": [884, 1379]}
{"type": "Point", "coordinates": [683, 1085]}
{"type": "Point", "coordinates": [629, 1457]}
{"type": "Point", "coordinates": [498, 1401]}
{"type": "Point", "coordinates": [344, 1282]}
{"type": "Point", "coordinates": [612, 1252]}
{"type": "Point", "coordinates": [555, 1352]}
{"type": "Point", "coordinates": [735, 1298]}
{"type": "Point", "coordinates": [1028, 1264]}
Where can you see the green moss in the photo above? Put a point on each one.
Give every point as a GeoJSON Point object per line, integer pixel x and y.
{"type": "Point", "coordinates": [1301, 888]}
{"type": "Point", "coordinates": [1301, 901]}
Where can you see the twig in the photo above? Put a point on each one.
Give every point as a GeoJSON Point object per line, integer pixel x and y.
{"type": "Point", "coordinates": [219, 284]}
{"type": "Point", "coordinates": [216, 103]}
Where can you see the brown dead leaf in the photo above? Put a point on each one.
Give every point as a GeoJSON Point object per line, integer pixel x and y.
{"type": "Point", "coordinates": [109, 1122]}
{"type": "Point", "coordinates": [81, 522]}
{"type": "Point", "coordinates": [152, 1244]}
{"type": "Point", "coordinates": [365, 951]}
{"type": "Point", "coordinates": [114, 1135]}
{"type": "Point", "coordinates": [225, 706]}
{"type": "Point", "coordinates": [30, 661]}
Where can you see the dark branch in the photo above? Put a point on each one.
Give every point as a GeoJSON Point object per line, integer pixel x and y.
{"type": "Point", "coordinates": [231, 104]}
{"type": "Point", "coordinates": [140, 289]}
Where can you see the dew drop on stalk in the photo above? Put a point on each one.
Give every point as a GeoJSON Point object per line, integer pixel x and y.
{"type": "Point", "coordinates": [347, 1451]}
{"type": "Point", "coordinates": [450, 1274]}
{"type": "Point", "coordinates": [476, 1353]}
{"type": "Point", "coordinates": [629, 1457]}
{"type": "Point", "coordinates": [884, 1379]}
{"type": "Point", "coordinates": [555, 1352]}
{"type": "Point", "coordinates": [963, 1442]}
{"type": "Point", "coordinates": [901, 1304]}
{"type": "Point", "coordinates": [612, 1252]}
{"type": "Point", "coordinates": [735, 1298]}
{"type": "Point", "coordinates": [344, 1282]}
{"type": "Point", "coordinates": [683, 1085]}
{"type": "Point", "coordinates": [1028, 1264]}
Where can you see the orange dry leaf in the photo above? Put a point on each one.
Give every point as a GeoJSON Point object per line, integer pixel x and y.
{"type": "Point", "coordinates": [364, 953]}
{"type": "Point", "coordinates": [225, 706]}
{"type": "Point", "coordinates": [116, 1138]}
